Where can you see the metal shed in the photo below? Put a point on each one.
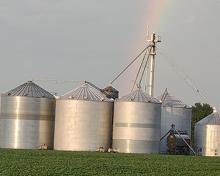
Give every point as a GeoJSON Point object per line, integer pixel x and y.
{"type": "Point", "coordinates": [207, 135]}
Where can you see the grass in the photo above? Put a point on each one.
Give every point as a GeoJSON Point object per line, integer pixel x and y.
{"type": "Point", "coordinates": [55, 163]}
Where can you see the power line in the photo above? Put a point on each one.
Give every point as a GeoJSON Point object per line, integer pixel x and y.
{"type": "Point", "coordinates": [187, 79]}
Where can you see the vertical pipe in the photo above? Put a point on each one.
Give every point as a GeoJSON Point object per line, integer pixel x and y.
{"type": "Point", "coordinates": [151, 75]}
{"type": "Point", "coordinates": [152, 53]}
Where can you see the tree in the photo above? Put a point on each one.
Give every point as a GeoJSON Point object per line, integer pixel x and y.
{"type": "Point", "coordinates": [199, 111]}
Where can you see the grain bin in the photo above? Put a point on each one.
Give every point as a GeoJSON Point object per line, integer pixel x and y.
{"type": "Point", "coordinates": [207, 135]}
{"type": "Point", "coordinates": [174, 112]}
{"type": "Point", "coordinates": [83, 120]}
{"type": "Point", "coordinates": [136, 127]}
{"type": "Point", "coordinates": [27, 118]}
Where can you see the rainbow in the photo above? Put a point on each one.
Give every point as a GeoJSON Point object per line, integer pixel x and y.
{"type": "Point", "coordinates": [154, 13]}
{"type": "Point", "coordinates": [154, 17]}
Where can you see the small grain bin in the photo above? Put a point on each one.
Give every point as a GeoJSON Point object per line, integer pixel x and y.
{"type": "Point", "coordinates": [83, 120]}
{"type": "Point", "coordinates": [27, 118]}
{"type": "Point", "coordinates": [136, 127]}
{"type": "Point", "coordinates": [174, 112]}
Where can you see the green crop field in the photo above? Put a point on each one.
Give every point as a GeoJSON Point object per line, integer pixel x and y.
{"type": "Point", "coordinates": [34, 162]}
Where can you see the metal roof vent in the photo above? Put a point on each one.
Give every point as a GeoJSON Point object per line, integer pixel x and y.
{"type": "Point", "coordinates": [29, 89]}
{"type": "Point", "coordinates": [139, 96]}
{"type": "Point", "coordinates": [85, 92]}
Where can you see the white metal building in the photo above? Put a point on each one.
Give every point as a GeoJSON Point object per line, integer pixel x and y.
{"type": "Point", "coordinates": [207, 135]}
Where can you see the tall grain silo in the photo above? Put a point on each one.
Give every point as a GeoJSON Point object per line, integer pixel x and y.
{"type": "Point", "coordinates": [174, 112]}
{"type": "Point", "coordinates": [207, 135]}
{"type": "Point", "coordinates": [27, 118]}
{"type": "Point", "coordinates": [83, 120]}
{"type": "Point", "coordinates": [136, 127]}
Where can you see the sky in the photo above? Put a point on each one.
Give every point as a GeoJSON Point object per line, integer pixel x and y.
{"type": "Point", "coordinates": [95, 39]}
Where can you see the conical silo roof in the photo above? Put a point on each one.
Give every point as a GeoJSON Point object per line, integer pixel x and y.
{"type": "Point", "coordinates": [139, 96]}
{"type": "Point", "coordinates": [212, 119]}
{"type": "Point", "coordinates": [169, 100]}
{"type": "Point", "coordinates": [85, 92]}
{"type": "Point", "coordinates": [29, 89]}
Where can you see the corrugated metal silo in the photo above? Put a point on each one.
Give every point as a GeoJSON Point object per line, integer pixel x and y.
{"type": "Point", "coordinates": [27, 118]}
{"type": "Point", "coordinates": [136, 127]}
{"type": "Point", "coordinates": [174, 112]}
{"type": "Point", "coordinates": [207, 135]}
{"type": "Point", "coordinates": [83, 120]}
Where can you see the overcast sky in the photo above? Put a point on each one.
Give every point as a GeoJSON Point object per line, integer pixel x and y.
{"type": "Point", "coordinates": [94, 39]}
